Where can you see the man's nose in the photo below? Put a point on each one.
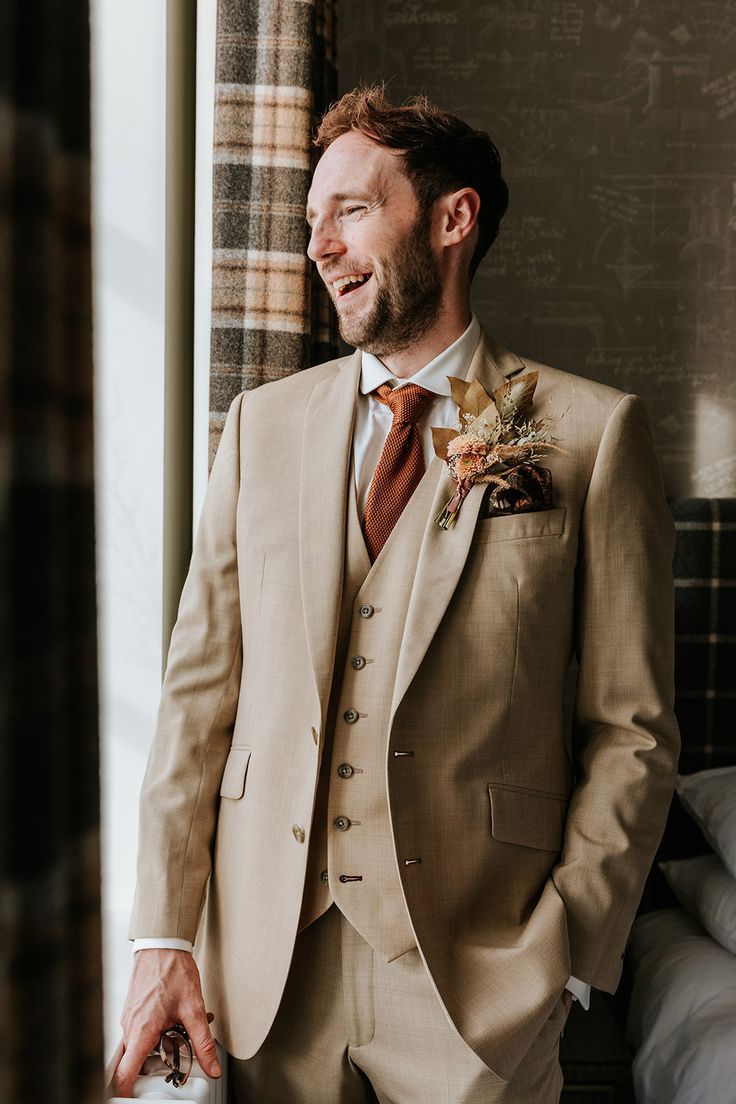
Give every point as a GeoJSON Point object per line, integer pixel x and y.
{"type": "Point", "coordinates": [324, 241]}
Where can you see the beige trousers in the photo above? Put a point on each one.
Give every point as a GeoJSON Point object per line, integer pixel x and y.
{"type": "Point", "coordinates": [353, 1029]}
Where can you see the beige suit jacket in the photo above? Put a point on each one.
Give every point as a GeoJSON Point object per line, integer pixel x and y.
{"type": "Point", "coordinates": [535, 847]}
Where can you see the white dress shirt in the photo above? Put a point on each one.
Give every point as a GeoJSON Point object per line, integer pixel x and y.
{"type": "Point", "coordinates": [373, 420]}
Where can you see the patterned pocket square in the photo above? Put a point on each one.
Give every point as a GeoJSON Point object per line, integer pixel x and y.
{"type": "Point", "coordinates": [528, 487]}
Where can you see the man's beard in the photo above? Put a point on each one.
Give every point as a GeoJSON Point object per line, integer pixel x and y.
{"type": "Point", "coordinates": [405, 304]}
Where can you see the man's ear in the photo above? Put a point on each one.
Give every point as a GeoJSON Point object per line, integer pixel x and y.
{"type": "Point", "coordinates": [459, 215]}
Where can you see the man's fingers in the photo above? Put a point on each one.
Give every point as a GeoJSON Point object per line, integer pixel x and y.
{"type": "Point", "coordinates": [132, 1060]}
{"type": "Point", "coordinates": [204, 1044]}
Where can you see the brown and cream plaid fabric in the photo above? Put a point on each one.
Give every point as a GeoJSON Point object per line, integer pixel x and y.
{"type": "Point", "coordinates": [275, 75]}
{"type": "Point", "coordinates": [400, 465]}
{"type": "Point", "coordinates": [51, 1045]}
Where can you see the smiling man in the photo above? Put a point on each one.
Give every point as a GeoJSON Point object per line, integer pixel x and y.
{"type": "Point", "coordinates": [362, 798]}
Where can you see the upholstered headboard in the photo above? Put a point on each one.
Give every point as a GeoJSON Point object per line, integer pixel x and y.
{"type": "Point", "coordinates": [705, 650]}
{"type": "Point", "coordinates": [705, 624]}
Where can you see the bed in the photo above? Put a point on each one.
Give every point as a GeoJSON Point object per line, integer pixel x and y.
{"type": "Point", "coordinates": [681, 1022]}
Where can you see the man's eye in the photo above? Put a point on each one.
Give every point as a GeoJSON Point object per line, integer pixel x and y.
{"type": "Point", "coordinates": [353, 210]}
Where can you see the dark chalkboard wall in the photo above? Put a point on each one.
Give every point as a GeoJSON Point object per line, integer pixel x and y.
{"type": "Point", "coordinates": [617, 126]}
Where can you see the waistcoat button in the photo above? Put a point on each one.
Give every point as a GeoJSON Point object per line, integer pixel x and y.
{"type": "Point", "coordinates": [324, 877]}
{"type": "Point", "coordinates": [345, 770]}
{"type": "Point", "coordinates": [341, 823]}
{"type": "Point", "coordinates": [298, 833]}
{"type": "Point", "coordinates": [350, 715]}
{"type": "Point", "coordinates": [358, 662]}
{"type": "Point", "coordinates": [366, 610]}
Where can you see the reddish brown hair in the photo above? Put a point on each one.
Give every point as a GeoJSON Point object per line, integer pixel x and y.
{"type": "Point", "coordinates": [441, 152]}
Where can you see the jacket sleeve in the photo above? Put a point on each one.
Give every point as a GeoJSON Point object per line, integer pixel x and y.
{"type": "Point", "coordinates": [625, 738]}
{"type": "Point", "coordinates": [196, 716]}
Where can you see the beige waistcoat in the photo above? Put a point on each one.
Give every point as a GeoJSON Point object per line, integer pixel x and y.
{"type": "Point", "coordinates": [354, 839]}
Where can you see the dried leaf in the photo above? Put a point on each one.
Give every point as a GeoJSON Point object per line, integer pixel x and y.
{"type": "Point", "coordinates": [476, 398]}
{"type": "Point", "coordinates": [470, 397]}
{"type": "Point", "coordinates": [458, 388]}
{"type": "Point", "coordinates": [441, 438]}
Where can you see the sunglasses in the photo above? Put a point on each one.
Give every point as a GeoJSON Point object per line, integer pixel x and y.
{"type": "Point", "coordinates": [175, 1049]}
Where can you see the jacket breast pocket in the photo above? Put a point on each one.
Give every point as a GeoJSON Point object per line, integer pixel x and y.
{"type": "Point", "coordinates": [530, 818]}
{"type": "Point", "coordinates": [236, 769]}
{"type": "Point", "coordinates": [530, 523]}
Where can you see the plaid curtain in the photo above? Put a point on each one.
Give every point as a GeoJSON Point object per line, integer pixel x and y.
{"type": "Point", "coordinates": [51, 1046]}
{"type": "Point", "coordinates": [275, 74]}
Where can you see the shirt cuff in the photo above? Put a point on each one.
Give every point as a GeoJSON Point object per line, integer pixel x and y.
{"type": "Point", "coordinates": [162, 944]}
{"type": "Point", "coordinates": [580, 990]}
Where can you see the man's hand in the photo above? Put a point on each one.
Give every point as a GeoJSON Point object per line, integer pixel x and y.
{"type": "Point", "coordinates": [164, 989]}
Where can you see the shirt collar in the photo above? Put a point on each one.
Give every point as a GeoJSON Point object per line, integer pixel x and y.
{"type": "Point", "coordinates": [452, 361]}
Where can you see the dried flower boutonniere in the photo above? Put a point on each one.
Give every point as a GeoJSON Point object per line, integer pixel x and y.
{"type": "Point", "coordinates": [498, 443]}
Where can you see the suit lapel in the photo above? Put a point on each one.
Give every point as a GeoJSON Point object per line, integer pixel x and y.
{"type": "Point", "coordinates": [443, 553]}
{"type": "Point", "coordinates": [326, 451]}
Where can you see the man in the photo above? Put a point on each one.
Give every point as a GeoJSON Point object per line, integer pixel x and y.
{"type": "Point", "coordinates": [360, 767]}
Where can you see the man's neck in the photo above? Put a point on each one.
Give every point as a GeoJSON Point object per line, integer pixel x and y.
{"type": "Point", "coordinates": [448, 328]}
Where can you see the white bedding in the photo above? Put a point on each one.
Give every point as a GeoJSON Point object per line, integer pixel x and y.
{"type": "Point", "coordinates": [682, 1016]}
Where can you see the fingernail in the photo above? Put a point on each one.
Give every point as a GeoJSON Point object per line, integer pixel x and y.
{"type": "Point", "coordinates": [216, 1069]}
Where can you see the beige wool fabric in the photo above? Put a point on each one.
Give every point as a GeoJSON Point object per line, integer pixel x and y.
{"type": "Point", "coordinates": [533, 860]}
{"type": "Point", "coordinates": [352, 1029]}
{"type": "Point", "coordinates": [351, 822]}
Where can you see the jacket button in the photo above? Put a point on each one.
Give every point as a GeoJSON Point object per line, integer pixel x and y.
{"type": "Point", "coordinates": [298, 833]}
{"type": "Point", "coordinates": [350, 715]}
{"type": "Point", "coordinates": [324, 877]}
{"type": "Point", "coordinates": [366, 610]}
{"type": "Point", "coordinates": [345, 770]}
{"type": "Point", "coordinates": [358, 662]}
{"type": "Point", "coordinates": [341, 823]}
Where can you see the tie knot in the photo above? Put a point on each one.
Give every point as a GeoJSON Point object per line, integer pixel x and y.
{"type": "Point", "coordinates": [407, 403]}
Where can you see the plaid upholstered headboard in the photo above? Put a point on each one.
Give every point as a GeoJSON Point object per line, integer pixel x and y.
{"type": "Point", "coordinates": [705, 650]}
{"type": "Point", "coordinates": [705, 626]}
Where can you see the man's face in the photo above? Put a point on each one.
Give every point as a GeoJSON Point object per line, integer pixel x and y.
{"type": "Point", "coordinates": [366, 223]}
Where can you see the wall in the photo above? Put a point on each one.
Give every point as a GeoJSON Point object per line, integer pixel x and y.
{"type": "Point", "coordinates": [617, 127]}
{"type": "Point", "coordinates": [129, 182]}
{"type": "Point", "coordinates": [128, 52]}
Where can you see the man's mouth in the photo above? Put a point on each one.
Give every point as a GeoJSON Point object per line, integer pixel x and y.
{"type": "Point", "coordinates": [345, 285]}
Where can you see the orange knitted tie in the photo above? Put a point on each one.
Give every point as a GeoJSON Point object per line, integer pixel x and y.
{"type": "Point", "coordinates": [401, 464]}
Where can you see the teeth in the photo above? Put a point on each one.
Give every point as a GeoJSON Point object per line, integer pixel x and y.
{"type": "Point", "coordinates": [343, 281]}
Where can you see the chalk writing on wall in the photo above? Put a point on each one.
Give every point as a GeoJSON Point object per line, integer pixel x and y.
{"type": "Point", "coordinates": [617, 126]}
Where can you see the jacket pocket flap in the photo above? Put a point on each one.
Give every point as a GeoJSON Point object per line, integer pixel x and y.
{"type": "Point", "coordinates": [236, 768]}
{"type": "Point", "coordinates": [528, 523]}
{"type": "Point", "coordinates": [530, 818]}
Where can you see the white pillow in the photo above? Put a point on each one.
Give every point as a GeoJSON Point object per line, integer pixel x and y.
{"type": "Point", "coordinates": [682, 1015]}
{"type": "Point", "coordinates": [708, 892]}
{"type": "Point", "coordinates": [710, 798]}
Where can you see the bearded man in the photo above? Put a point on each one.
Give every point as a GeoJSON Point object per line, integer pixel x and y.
{"type": "Point", "coordinates": [362, 798]}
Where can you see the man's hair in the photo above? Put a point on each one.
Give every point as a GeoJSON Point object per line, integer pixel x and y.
{"type": "Point", "coordinates": [441, 152]}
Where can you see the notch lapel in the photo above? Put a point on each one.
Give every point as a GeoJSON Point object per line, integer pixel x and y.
{"type": "Point", "coordinates": [326, 451]}
{"type": "Point", "coordinates": [443, 553]}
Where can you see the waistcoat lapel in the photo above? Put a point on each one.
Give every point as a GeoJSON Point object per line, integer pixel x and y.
{"type": "Point", "coordinates": [326, 451]}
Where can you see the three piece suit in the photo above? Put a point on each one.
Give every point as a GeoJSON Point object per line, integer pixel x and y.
{"type": "Point", "coordinates": [393, 738]}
